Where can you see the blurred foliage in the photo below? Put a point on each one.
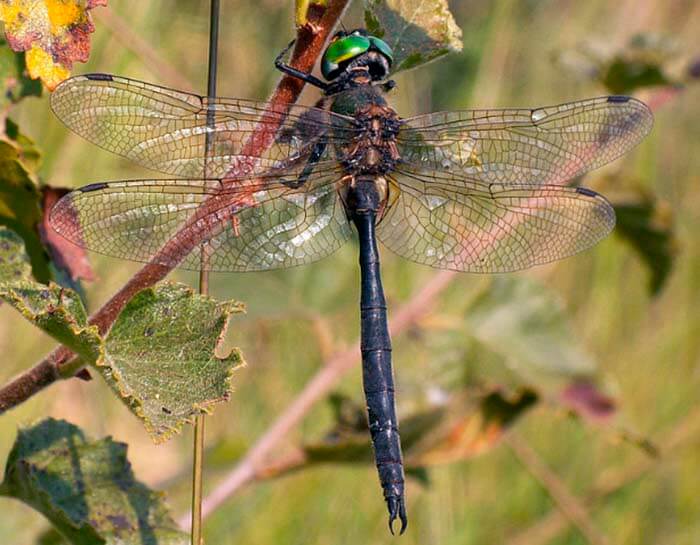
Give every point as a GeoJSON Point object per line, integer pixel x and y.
{"type": "Point", "coordinates": [464, 425]}
{"type": "Point", "coordinates": [640, 63]}
{"type": "Point", "coordinates": [86, 488]}
{"type": "Point", "coordinates": [20, 197]}
{"type": "Point", "coordinates": [647, 223]}
{"type": "Point", "coordinates": [14, 81]}
{"type": "Point", "coordinates": [647, 351]}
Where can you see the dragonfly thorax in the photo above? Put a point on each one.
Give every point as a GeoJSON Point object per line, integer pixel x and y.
{"type": "Point", "coordinates": [374, 150]}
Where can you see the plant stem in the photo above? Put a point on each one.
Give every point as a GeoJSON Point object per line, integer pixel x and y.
{"type": "Point", "coordinates": [197, 465]}
{"type": "Point", "coordinates": [198, 454]}
{"type": "Point", "coordinates": [309, 45]}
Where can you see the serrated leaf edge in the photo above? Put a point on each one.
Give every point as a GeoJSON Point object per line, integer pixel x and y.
{"type": "Point", "coordinates": [119, 387]}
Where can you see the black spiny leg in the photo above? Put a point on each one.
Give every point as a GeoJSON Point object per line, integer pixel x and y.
{"type": "Point", "coordinates": [290, 71]}
{"type": "Point", "coordinates": [314, 156]}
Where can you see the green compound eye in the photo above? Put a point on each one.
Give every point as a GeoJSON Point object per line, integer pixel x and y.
{"type": "Point", "coordinates": [383, 48]}
{"type": "Point", "coordinates": [342, 50]}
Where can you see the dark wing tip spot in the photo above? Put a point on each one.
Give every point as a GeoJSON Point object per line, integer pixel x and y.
{"type": "Point", "coordinates": [587, 192]}
{"type": "Point", "coordinates": [618, 98]}
{"type": "Point", "coordinates": [93, 187]}
{"type": "Point", "coordinates": [99, 77]}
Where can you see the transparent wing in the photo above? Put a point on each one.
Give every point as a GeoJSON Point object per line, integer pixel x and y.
{"type": "Point", "coordinates": [165, 130]}
{"type": "Point", "coordinates": [542, 146]}
{"type": "Point", "coordinates": [463, 224]}
{"type": "Point", "coordinates": [249, 227]}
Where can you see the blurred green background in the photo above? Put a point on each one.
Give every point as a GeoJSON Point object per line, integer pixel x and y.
{"type": "Point", "coordinates": [646, 348]}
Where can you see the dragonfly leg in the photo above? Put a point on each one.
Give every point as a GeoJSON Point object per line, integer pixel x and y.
{"type": "Point", "coordinates": [290, 71]}
{"type": "Point", "coordinates": [314, 156]}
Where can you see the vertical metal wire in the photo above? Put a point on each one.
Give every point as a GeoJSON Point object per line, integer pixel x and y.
{"type": "Point", "coordinates": [198, 459]}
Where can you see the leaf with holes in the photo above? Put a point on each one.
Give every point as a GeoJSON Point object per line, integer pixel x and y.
{"type": "Point", "coordinates": [418, 31]}
{"type": "Point", "coordinates": [53, 34]}
{"type": "Point", "coordinates": [160, 356]}
{"type": "Point", "coordinates": [86, 488]}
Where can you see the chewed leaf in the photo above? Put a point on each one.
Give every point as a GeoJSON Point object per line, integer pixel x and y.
{"type": "Point", "coordinates": [160, 356]}
{"type": "Point", "coordinates": [53, 33]}
{"type": "Point", "coordinates": [57, 311]}
{"type": "Point", "coordinates": [86, 488]}
{"type": "Point", "coordinates": [14, 261]}
{"type": "Point", "coordinates": [418, 31]}
{"type": "Point", "coordinates": [15, 83]}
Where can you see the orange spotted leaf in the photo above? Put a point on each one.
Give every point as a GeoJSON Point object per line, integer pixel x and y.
{"type": "Point", "coordinates": [53, 34]}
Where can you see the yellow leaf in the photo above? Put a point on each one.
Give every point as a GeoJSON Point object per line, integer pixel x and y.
{"type": "Point", "coordinates": [62, 14]}
{"type": "Point", "coordinates": [40, 65]}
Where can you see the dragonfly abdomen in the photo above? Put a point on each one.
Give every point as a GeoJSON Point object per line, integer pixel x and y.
{"type": "Point", "coordinates": [364, 201]}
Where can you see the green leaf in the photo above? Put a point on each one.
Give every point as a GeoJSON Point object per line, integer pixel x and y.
{"type": "Point", "coordinates": [526, 324]}
{"type": "Point", "coordinates": [647, 224]}
{"type": "Point", "coordinates": [57, 311]}
{"type": "Point", "coordinates": [15, 82]}
{"type": "Point", "coordinates": [160, 356]}
{"type": "Point", "coordinates": [86, 488]}
{"type": "Point", "coordinates": [418, 31]}
{"type": "Point", "coordinates": [29, 154]}
{"type": "Point", "coordinates": [51, 537]}
{"type": "Point", "coordinates": [14, 261]}
{"type": "Point", "coordinates": [20, 198]}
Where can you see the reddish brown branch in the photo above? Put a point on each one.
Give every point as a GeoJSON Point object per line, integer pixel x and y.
{"type": "Point", "coordinates": [310, 41]}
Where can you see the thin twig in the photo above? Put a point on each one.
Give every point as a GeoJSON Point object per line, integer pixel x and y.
{"type": "Point", "coordinates": [310, 41]}
{"type": "Point", "coordinates": [315, 390]}
{"type": "Point", "coordinates": [553, 524]}
{"type": "Point", "coordinates": [567, 503]}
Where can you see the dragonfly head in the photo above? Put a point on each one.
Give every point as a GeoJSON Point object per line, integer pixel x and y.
{"type": "Point", "coordinates": [351, 50]}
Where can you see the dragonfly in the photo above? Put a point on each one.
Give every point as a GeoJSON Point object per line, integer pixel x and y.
{"type": "Point", "coordinates": [261, 187]}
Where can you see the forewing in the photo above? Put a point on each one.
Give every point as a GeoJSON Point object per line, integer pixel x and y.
{"type": "Point", "coordinates": [541, 146]}
{"type": "Point", "coordinates": [464, 224]}
{"type": "Point", "coordinates": [249, 227]}
{"type": "Point", "coordinates": [165, 130]}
